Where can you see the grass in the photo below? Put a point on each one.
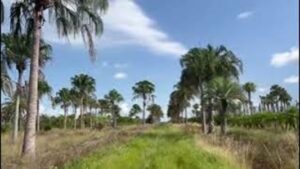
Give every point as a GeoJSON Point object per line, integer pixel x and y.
{"type": "Point", "coordinates": [164, 147]}
{"type": "Point", "coordinates": [56, 147]}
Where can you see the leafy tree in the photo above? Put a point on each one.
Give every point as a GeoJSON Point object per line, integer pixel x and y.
{"type": "Point", "coordinates": [143, 89]}
{"type": "Point", "coordinates": [249, 87]}
{"type": "Point", "coordinates": [114, 98]}
{"type": "Point", "coordinates": [225, 91]}
{"type": "Point", "coordinates": [85, 86]}
{"type": "Point", "coordinates": [62, 98]}
{"type": "Point", "coordinates": [135, 109]}
{"type": "Point", "coordinates": [155, 112]}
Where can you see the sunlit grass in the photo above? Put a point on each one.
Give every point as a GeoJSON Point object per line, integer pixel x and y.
{"type": "Point", "coordinates": [162, 148]}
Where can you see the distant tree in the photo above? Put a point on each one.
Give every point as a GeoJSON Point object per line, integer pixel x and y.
{"type": "Point", "coordinates": [135, 109]}
{"type": "Point", "coordinates": [114, 98]}
{"type": "Point", "coordinates": [155, 112]}
{"type": "Point", "coordinates": [62, 98]}
{"type": "Point", "coordinates": [143, 89]}
{"type": "Point", "coordinates": [249, 87]}
{"type": "Point", "coordinates": [43, 89]}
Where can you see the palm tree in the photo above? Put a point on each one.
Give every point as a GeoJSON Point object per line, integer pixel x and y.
{"type": "Point", "coordinates": [84, 17]}
{"type": "Point", "coordinates": [85, 86]}
{"type": "Point", "coordinates": [1, 12]}
{"type": "Point", "coordinates": [225, 91]}
{"type": "Point", "coordinates": [43, 89]}
{"type": "Point", "coordinates": [155, 112]}
{"type": "Point", "coordinates": [202, 65]}
{"type": "Point", "coordinates": [75, 101]}
{"type": "Point", "coordinates": [143, 89]}
{"type": "Point", "coordinates": [135, 109]}
{"type": "Point", "coordinates": [62, 98]}
{"type": "Point", "coordinates": [16, 52]}
{"type": "Point", "coordinates": [249, 87]}
{"type": "Point", "coordinates": [6, 82]}
{"type": "Point", "coordinates": [114, 98]}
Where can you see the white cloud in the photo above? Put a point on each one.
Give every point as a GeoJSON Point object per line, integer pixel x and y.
{"type": "Point", "coordinates": [124, 109]}
{"type": "Point", "coordinates": [127, 18]}
{"type": "Point", "coordinates": [120, 75]}
{"type": "Point", "coordinates": [245, 15]}
{"type": "Point", "coordinates": [284, 58]}
{"type": "Point", "coordinates": [292, 79]}
{"type": "Point", "coordinates": [125, 23]}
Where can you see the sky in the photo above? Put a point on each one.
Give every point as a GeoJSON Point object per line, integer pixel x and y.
{"type": "Point", "coordinates": [144, 40]}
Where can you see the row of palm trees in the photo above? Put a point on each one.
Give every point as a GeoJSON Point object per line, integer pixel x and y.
{"type": "Point", "coordinates": [82, 95]}
{"type": "Point", "coordinates": [27, 18]}
{"type": "Point", "coordinates": [210, 75]}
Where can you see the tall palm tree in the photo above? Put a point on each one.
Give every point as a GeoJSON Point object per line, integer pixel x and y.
{"type": "Point", "coordinates": [135, 109]}
{"type": "Point", "coordinates": [85, 86]}
{"type": "Point", "coordinates": [143, 89]}
{"type": "Point", "coordinates": [114, 98]}
{"type": "Point", "coordinates": [62, 98]}
{"type": "Point", "coordinates": [43, 89]}
{"type": "Point", "coordinates": [202, 65]}
{"type": "Point", "coordinates": [70, 18]}
{"type": "Point", "coordinates": [16, 52]}
{"type": "Point", "coordinates": [225, 91]}
{"type": "Point", "coordinates": [249, 87]}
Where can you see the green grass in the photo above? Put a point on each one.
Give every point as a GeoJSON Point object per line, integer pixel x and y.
{"type": "Point", "coordinates": [163, 147]}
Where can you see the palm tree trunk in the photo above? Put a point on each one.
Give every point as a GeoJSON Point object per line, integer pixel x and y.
{"type": "Point", "coordinates": [28, 148]}
{"type": "Point", "coordinates": [38, 116]}
{"type": "Point", "coordinates": [144, 111]}
{"type": "Point", "coordinates": [210, 117]}
{"type": "Point", "coordinates": [17, 109]}
{"type": "Point", "coordinates": [223, 117]}
{"type": "Point", "coordinates": [186, 118]}
{"type": "Point", "coordinates": [65, 118]}
{"type": "Point", "coordinates": [202, 110]}
{"type": "Point", "coordinates": [81, 114]}
{"type": "Point", "coordinates": [75, 112]}
{"type": "Point", "coordinates": [250, 103]}
{"type": "Point", "coordinates": [91, 117]}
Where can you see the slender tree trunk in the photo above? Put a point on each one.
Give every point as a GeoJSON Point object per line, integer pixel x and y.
{"type": "Point", "coordinates": [38, 116]}
{"type": "Point", "coordinates": [186, 118]}
{"type": "Point", "coordinates": [28, 149]}
{"type": "Point", "coordinates": [91, 117]}
{"type": "Point", "coordinates": [17, 109]}
{"type": "Point", "coordinates": [75, 121]}
{"type": "Point", "coordinates": [81, 114]}
{"type": "Point", "coordinates": [65, 118]}
{"type": "Point", "coordinates": [144, 111]}
{"type": "Point", "coordinates": [250, 103]}
{"type": "Point", "coordinates": [223, 117]}
{"type": "Point", "coordinates": [202, 110]}
{"type": "Point", "coordinates": [210, 117]}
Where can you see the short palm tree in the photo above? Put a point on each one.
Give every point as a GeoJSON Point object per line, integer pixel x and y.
{"type": "Point", "coordinates": [76, 17]}
{"type": "Point", "coordinates": [143, 89]}
{"type": "Point", "coordinates": [75, 102]}
{"type": "Point", "coordinates": [225, 91]}
{"type": "Point", "coordinates": [43, 89]}
{"type": "Point", "coordinates": [85, 86]}
{"type": "Point", "coordinates": [62, 98]}
{"type": "Point", "coordinates": [155, 112]}
{"type": "Point", "coordinates": [114, 98]}
{"type": "Point", "coordinates": [249, 88]}
{"type": "Point", "coordinates": [135, 109]}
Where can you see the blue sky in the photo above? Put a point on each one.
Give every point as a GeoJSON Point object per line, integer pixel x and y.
{"type": "Point", "coordinates": [144, 40]}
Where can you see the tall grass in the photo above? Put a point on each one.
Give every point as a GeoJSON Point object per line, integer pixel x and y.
{"type": "Point", "coordinates": [164, 147]}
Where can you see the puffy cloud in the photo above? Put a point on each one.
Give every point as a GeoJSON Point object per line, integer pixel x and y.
{"type": "Point", "coordinates": [124, 108]}
{"type": "Point", "coordinates": [245, 15]}
{"type": "Point", "coordinates": [292, 79]}
{"type": "Point", "coordinates": [284, 58]}
{"type": "Point", "coordinates": [120, 75]}
{"type": "Point", "coordinates": [120, 65]}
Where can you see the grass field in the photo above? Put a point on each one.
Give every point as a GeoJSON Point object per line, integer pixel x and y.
{"type": "Point", "coordinates": [164, 147]}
